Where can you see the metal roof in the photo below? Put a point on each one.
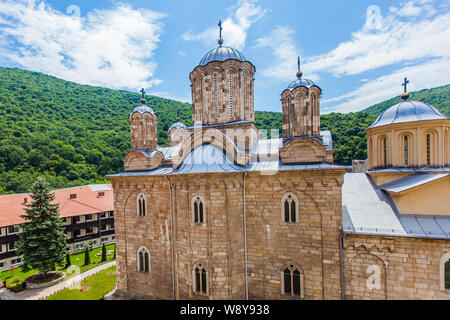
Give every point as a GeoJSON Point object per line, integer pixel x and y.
{"type": "Point", "coordinates": [411, 181]}
{"type": "Point", "coordinates": [366, 209]}
{"type": "Point", "coordinates": [301, 83]}
{"type": "Point", "coordinates": [221, 54]}
{"type": "Point", "coordinates": [407, 111]}
{"type": "Point", "coordinates": [417, 170]}
{"type": "Point", "coordinates": [143, 109]}
{"type": "Point", "coordinates": [177, 125]}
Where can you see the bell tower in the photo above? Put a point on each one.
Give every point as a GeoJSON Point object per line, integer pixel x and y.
{"type": "Point", "coordinates": [143, 127]}
{"type": "Point", "coordinates": [300, 100]}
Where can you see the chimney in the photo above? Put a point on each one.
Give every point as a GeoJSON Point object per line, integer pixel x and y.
{"type": "Point", "coordinates": [73, 196]}
{"type": "Point", "coordinates": [100, 194]}
{"type": "Point", "coordinates": [25, 200]}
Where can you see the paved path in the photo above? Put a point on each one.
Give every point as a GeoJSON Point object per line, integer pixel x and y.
{"type": "Point", "coordinates": [38, 294]}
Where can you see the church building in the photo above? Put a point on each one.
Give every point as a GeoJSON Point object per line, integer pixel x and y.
{"type": "Point", "coordinates": [225, 213]}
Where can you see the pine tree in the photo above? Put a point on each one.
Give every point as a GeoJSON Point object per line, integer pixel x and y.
{"type": "Point", "coordinates": [43, 241]}
{"type": "Point", "coordinates": [87, 258]}
{"type": "Point", "coordinates": [114, 257]}
{"type": "Point", "coordinates": [68, 262]}
{"type": "Point", "coordinates": [103, 253]}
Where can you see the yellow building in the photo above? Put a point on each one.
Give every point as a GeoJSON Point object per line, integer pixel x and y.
{"type": "Point", "coordinates": [408, 156]}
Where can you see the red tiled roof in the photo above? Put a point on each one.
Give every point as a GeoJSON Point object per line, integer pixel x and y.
{"type": "Point", "coordinates": [86, 202]}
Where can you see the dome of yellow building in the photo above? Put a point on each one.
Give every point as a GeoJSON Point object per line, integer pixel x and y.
{"type": "Point", "coordinates": [411, 134]}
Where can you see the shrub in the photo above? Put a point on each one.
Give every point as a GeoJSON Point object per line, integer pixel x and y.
{"type": "Point", "coordinates": [87, 258]}
{"type": "Point", "coordinates": [103, 253]}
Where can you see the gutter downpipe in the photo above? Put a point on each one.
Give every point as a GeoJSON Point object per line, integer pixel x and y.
{"type": "Point", "coordinates": [172, 240]}
{"type": "Point", "coordinates": [341, 258]}
{"type": "Point", "coordinates": [245, 240]}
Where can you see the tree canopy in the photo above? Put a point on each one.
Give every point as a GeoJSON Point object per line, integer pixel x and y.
{"type": "Point", "coordinates": [74, 134]}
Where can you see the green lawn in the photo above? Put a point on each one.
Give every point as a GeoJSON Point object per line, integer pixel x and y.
{"type": "Point", "coordinates": [100, 284]}
{"type": "Point", "coordinates": [76, 259]}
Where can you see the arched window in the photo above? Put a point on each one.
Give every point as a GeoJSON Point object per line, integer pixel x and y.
{"type": "Point", "coordinates": [292, 280]}
{"type": "Point", "coordinates": [428, 149]}
{"type": "Point", "coordinates": [289, 205]}
{"type": "Point", "coordinates": [143, 259]}
{"type": "Point", "coordinates": [216, 96]}
{"type": "Point", "coordinates": [313, 110]}
{"type": "Point", "coordinates": [445, 272]}
{"type": "Point", "coordinates": [141, 205]}
{"type": "Point", "coordinates": [405, 150]}
{"type": "Point", "coordinates": [200, 279]}
{"type": "Point", "coordinates": [198, 210]}
{"type": "Point", "coordinates": [384, 152]}
{"type": "Point", "coordinates": [230, 83]}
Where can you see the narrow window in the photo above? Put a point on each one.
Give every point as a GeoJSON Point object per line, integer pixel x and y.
{"type": "Point", "coordinates": [447, 275]}
{"type": "Point", "coordinates": [200, 279]}
{"type": "Point", "coordinates": [292, 280]}
{"type": "Point", "coordinates": [146, 262]}
{"type": "Point", "coordinates": [143, 260]}
{"type": "Point", "coordinates": [287, 281]}
{"type": "Point", "coordinates": [230, 80]}
{"type": "Point", "coordinates": [216, 96]}
{"type": "Point", "coordinates": [197, 208]}
{"type": "Point", "coordinates": [289, 208]}
{"type": "Point", "coordinates": [428, 150]}
{"type": "Point", "coordinates": [405, 149]}
{"type": "Point", "coordinates": [141, 205]}
{"type": "Point", "coordinates": [384, 152]}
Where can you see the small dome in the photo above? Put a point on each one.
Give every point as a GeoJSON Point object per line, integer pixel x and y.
{"type": "Point", "coordinates": [221, 54]}
{"type": "Point", "coordinates": [301, 83]}
{"type": "Point", "coordinates": [143, 109]}
{"type": "Point", "coordinates": [407, 111]}
{"type": "Point", "coordinates": [177, 125]}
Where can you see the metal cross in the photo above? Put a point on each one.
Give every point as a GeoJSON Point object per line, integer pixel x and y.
{"type": "Point", "coordinates": [143, 93]}
{"type": "Point", "coordinates": [298, 63]}
{"type": "Point", "coordinates": [220, 28]}
{"type": "Point", "coordinates": [404, 84]}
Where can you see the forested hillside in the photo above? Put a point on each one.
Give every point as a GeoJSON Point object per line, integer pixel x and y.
{"type": "Point", "coordinates": [75, 134]}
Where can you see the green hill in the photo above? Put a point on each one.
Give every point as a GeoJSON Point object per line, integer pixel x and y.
{"type": "Point", "coordinates": [76, 134]}
{"type": "Point", "coordinates": [437, 97]}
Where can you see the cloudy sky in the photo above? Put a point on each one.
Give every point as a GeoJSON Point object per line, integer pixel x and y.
{"type": "Point", "coordinates": [357, 51]}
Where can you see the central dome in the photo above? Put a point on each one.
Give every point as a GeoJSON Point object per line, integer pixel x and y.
{"type": "Point", "coordinates": [301, 83]}
{"type": "Point", "coordinates": [407, 111]}
{"type": "Point", "coordinates": [221, 54]}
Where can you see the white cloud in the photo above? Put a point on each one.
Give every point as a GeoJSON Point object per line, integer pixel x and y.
{"type": "Point", "coordinates": [397, 40]}
{"type": "Point", "coordinates": [426, 75]}
{"type": "Point", "coordinates": [111, 47]}
{"type": "Point", "coordinates": [235, 27]}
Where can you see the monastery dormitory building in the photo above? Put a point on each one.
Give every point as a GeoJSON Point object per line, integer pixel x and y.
{"type": "Point", "coordinates": [88, 213]}
{"type": "Point", "coordinates": [223, 213]}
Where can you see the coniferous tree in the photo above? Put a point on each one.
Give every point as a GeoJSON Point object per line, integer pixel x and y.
{"type": "Point", "coordinates": [43, 241]}
{"type": "Point", "coordinates": [114, 257]}
{"type": "Point", "coordinates": [87, 258]}
{"type": "Point", "coordinates": [103, 253]}
{"type": "Point", "coordinates": [68, 262]}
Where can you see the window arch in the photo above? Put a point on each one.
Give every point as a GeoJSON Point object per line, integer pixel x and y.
{"type": "Point", "coordinates": [200, 279]}
{"type": "Point", "coordinates": [289, 208]}
{"type": "Point", "coordinates": [445, 272]}
{"type": "Point", "coordinates": [292, 280]}
{"type": "Point", "coordinates": [382, 156]}
{"type": "Point", "coordinates": [141, 202]}
{"type": "Point", "coordinates": [198, 210]}
{"type": "Point", "coordinates": [143, 260]}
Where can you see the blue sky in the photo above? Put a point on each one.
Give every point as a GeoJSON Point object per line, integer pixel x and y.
{"type": "Point", "coordinates": [357, 51]}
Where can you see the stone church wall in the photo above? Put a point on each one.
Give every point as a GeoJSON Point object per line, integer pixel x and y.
{"type": "Point", "coordinates": [378, 267]}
